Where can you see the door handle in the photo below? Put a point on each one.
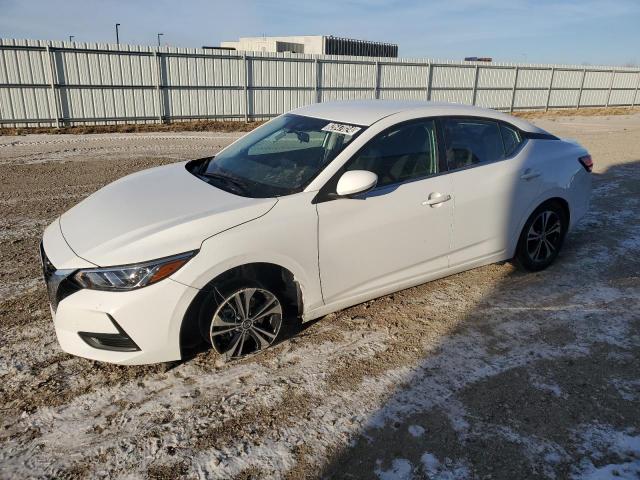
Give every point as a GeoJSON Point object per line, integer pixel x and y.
{"type": "Point", "coordinates": [529, 174]}
{"type": "Point", "coordinates": [436, 198]}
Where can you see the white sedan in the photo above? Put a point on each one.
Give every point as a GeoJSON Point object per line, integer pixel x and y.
{"type": "Point", "coordinates": [319, 209]}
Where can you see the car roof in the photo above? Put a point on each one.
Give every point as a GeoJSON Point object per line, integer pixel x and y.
{"type": "Point", "coordinates": [367, 112]}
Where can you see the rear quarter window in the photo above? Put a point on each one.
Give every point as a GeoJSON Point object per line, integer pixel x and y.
{"type": "Point", "coordinates": [511, 139]}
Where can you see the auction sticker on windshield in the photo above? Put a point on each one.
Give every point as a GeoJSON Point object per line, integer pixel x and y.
{"type": "Point", "coordinates": [342, 128]}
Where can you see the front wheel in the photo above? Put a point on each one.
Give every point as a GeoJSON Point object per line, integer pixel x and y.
{"type": "Point", "coordinates": [542, 237]}
{"type": "Point", "coordinates": [243, 319]}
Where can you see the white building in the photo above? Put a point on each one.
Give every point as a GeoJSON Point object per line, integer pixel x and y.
{"type": "Point", "coordinates": [314, 44]}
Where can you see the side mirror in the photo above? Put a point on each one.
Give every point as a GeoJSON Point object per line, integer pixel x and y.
{"type": "Point", "coordinates": [356, 181]}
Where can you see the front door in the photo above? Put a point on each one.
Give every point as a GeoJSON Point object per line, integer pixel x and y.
{"type": "Point", "coordinates": [398, 233]}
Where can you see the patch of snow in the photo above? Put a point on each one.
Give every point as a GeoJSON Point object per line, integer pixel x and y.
{"type": "Point", "coordinates": [401, 469]}
{"type": "Point", "coordinates": [448, 470]}
{"type": "Point", "coordinates": [619, 471]}
{"type": "Point", "coordinates": [603, 294]}
{"type": "Point", "coordinates": [229, 462]}
{"type": "Point", "coordinates": [546, 386]}
{"type": "Point", "coordinates": [632, 240]}
{"type": "Point", "coordinates": [538, 451]}
{"type": "Point", "coordinates": [627, 389]}
{"type": "Point", "coordinates": [553, 457]}
{"type": "Point", "coordinates": [605, 188]}
{"type": "Point", "coordinates": [553, 388]}
{"type": "Point", "coordinates": [604, 441]}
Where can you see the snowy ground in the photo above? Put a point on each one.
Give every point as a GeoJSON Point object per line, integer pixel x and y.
{"type": "Point", "coordinates": [491, 373]}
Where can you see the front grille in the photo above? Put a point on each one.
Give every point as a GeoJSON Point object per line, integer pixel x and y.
{"type": "Point", "coordinates": [59, 286]}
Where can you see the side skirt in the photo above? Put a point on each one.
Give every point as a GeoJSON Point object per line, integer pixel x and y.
{"type": "Point", "coordinates": [365, 297]}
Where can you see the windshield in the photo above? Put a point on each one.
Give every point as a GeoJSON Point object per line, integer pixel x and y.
{"type": "Point", "coordinates": [280, 157]}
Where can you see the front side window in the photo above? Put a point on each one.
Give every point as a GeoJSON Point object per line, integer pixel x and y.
{"type": "Point", "coordinates": [470, 142]}
{"type": "Point", "coordinates": [279, 158]}
{"type": "Point", "coordinates": [400, 154]}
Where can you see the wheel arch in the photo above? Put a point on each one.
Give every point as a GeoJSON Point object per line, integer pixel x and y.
{"type": "Point", "coordinates": [560, 201]}
{"type": "Point", "coordinates": [272, 274]}
{"type": "Point", "coordinates": [555, 198]}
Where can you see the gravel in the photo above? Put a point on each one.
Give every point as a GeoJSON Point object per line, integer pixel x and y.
{"type": "Point", "coordinates": [492, 373]}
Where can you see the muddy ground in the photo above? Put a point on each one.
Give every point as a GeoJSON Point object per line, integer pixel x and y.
{"type": "Point", "coordinates": [492, 373]}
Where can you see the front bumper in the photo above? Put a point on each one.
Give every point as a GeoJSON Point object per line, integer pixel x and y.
{"type": "Point", "coordinates": [135, 327]}
{"type": "Point", "coordinates": [150, 317]}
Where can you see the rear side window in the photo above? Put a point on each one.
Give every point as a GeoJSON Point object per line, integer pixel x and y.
{"type": "Point", "coordinates": [511, 138]}
{"type": "Point", "coordinates": [470, 142]}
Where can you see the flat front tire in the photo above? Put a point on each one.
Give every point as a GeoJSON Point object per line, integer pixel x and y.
{"type": "Point", "coordinates": [243, 318]}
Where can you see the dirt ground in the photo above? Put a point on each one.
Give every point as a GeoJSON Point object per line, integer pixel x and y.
{"type": "Point", "coordinates": [241, 126]}
{"type": "Point", "coordinates": [492, 373]}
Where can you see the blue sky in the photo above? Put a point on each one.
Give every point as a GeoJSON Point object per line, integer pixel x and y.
{"type": "Point", "coordinates": [605, 32]}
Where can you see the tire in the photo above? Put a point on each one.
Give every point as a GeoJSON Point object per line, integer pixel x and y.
{"type": "Point", "coordinates": [537, 249]}
{"type": "Point", "coordinates": [235, 333]}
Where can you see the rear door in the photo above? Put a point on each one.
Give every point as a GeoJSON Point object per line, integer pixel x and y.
{"type": "Point", "coordinates": [396, 233]}
{"type": "Point", "coordinates": [493, 184]}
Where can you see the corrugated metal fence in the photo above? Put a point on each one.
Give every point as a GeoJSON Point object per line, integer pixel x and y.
{"type": "Point", "coordinates": [60, 83]}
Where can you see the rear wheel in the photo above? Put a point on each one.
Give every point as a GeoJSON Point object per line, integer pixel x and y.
{"type": "Point", "coordinates": [542, 237]}
{"type": "Point", "coordinates": [243, 318]}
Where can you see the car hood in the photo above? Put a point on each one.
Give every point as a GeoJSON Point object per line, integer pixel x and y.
{"type": "Point", "coordinates": [152, 214]}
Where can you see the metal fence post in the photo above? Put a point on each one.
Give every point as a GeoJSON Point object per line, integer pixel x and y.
{"type": "Point", "coordinates": [377, 83]}
{"type": "Point", "coordinates": [475, 87]}
{"type": "Point", "coordinates": [584, 74]}
{"type": "Point", "coordinates": [635, 93]}
{"type": "Point", "coordinates": [613, 76]}
{"type": "Point", "coordinates": [161, 109]}
{"type": "Point", "coordinates": [429, 80]}
{"type": "Point", "coordinates": [52, 83]}
{"type": "Point", "coordinates": [246, 87]}
{"type": "Point", "coordinates": [513, 92]}
{"type": "Point", "coordinates": [316, 86]}
{"type": "Point", "coordinates": [553, 72]}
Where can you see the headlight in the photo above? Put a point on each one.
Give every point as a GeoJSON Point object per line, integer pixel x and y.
{"type": "Point", "coordinates": [130, 277]}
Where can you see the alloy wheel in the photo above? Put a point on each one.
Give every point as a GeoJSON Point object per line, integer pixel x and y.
{"type": "Point", "coordinates": [544, 236]}
{"type": "Point", "coordinates": [246, 322]}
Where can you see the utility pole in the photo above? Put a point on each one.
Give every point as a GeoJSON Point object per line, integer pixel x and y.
{"type": "Point", "coordinates": [159, 35]}
{"type": "Point", "coordinates": [71, 37]}
{"type": "Point", "coordinates": [117, 34]}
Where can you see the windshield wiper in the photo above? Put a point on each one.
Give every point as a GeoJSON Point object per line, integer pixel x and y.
{"type": "Point", "coordinates": [234, 182]}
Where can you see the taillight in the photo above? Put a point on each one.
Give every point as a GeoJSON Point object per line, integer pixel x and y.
{"type": "Point", "coordinates": [586, 162]}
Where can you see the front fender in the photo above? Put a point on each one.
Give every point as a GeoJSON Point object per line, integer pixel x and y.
{"type": "Point", "coordinates": [286, 236]}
